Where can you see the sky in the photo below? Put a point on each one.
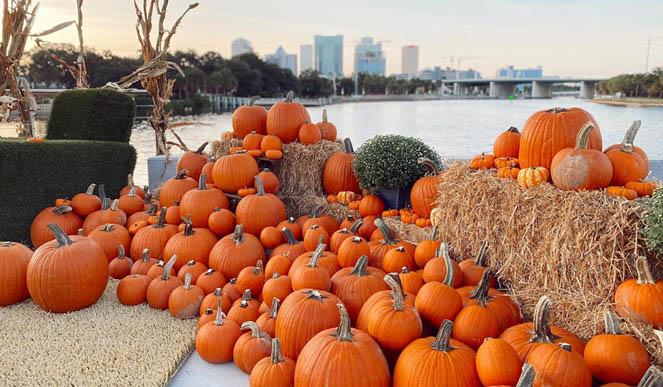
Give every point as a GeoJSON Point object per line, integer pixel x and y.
{"type": "Point", "coordinates": [581, 38]}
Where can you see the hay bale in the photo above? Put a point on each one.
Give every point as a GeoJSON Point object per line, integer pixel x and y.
{"type": "Point", "coordinates": [220, 147]}
{"type": "Point", "coordinates": [575, 247]}
{"type": "Point", "coordinates": [409, 232]}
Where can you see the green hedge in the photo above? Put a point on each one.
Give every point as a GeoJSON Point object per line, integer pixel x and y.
{"type": "Point", "coordinates": [33, 175]}
{"type": "Point", "coordinates": [92, 114]}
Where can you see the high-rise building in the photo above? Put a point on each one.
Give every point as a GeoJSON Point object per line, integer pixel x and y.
{"type": "Point", "coordinates": [369, 58]}
{"type": "Point", "coordinates": [511, 72]}
{"type": "Point", "coordinates": [284, 60]}
{"type": "Point", "coordinates": [410, 59]}
{"type": "Point", "coordinates": [329, 55]}
{"type": "Point", "coordinates": [438, 73]}
{"type": "Point", "coordinates": [305, 57]}
{"type": "Point", "coordinates": [240, 46]}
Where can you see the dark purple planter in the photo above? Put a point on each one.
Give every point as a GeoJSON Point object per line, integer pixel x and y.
{"type": "Point", "coordinates": [395, 198]}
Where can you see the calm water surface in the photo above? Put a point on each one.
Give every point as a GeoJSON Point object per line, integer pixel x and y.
{"type": "Point", "coordinates": [456, 128]}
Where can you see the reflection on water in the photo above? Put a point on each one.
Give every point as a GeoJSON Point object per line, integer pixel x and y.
{"type": "Point", "coordinates": [456, 128]}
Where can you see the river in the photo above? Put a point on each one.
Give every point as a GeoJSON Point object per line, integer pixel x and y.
{"type": "Point", "coordinates": [455, 128]}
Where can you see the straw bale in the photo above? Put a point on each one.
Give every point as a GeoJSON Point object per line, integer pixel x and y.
{"type": "Point", "coordinates": [409, 232]}
{"type": "Point", "coordinates": [220, 147]}
{"type": "Point", "coordinates": [576, 247]}
{"type": "Point", "coordinates": [103, 345]}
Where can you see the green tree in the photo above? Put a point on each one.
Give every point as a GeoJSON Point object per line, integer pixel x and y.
{"type": "Point", "coordinates": [222, 81]}
{"type": "Point", "coordinates": [315, 86]}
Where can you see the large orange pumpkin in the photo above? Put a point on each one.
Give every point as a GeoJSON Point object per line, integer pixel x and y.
{"type": "Point", "coordinates": [174, 188]}
{"type": "Point", "coordinates": [557, 365]}
{"type": "Point", "coordinates": [548, 131]}
{"type": "Point", "coordinates": [236, 251]}
{"type": "Point", "coordinates": [338, 175]}
{"type": "Point", "coordinates": [190, 244]}
{"type": "Point", "coordinates": [87, 202]}
{"type": "Point", "coordinates": [629, 163]}
{"type": "Point", "coordinates": [640, 298]}
{"type": "Point", "coordinates": [152, 237]}
{"type": "Point", "coordinates": [62, 216]}
{"type": "Point", "coordinates": [580, 167]}
{"type": "Point", "coordinates": [259, 210]}
{"type": "Point", "coordinates": [193, 162]}
{"type": "Point", "coordinates": [198, 204]}
{"type": "Point", "coordinates": [285, 118]}
{"type": "Point", "coordinates": [424, 191]}
{"type": "Point", "coordinates": [507, 143]}
{"type": "Point", "coordinates": [109, 237]}
{"type": "Point", "coordinates": [234, 172]}
{"type": "Point", "coordinates": [14, 259]}
{"type": "Point", "coordinates": [249, 118]}
{"type": "Point", "coordinates": [629, 137]}
{"type": "Point", "coordinates": [67, 274]}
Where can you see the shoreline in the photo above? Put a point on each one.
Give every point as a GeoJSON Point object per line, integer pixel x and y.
{"type": "Point", "coordinates": [626, 102]}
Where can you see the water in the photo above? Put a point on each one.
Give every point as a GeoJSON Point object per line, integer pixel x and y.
{"type": "Point", "coordinates": [455, 128]}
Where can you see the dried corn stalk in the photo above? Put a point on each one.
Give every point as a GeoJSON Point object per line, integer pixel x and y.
{"type": "Point", "coordinates": [153, 73]}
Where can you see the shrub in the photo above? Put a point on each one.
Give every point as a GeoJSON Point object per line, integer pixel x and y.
{"type": "Point", "coordinates": [92, 114]}
{"type": "Point", "coordinates": [390, 161]}
{"type": "Point", "coordinates": [654, 222]}
{"type": "Point", "coordinates": [33, 175]}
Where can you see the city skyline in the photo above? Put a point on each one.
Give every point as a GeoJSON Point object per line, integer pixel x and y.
{"type": "Point", "coordinates": [567, 42]}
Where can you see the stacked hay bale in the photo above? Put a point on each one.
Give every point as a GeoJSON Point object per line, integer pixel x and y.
{"type": "Point", "coordinates": [576, 247]}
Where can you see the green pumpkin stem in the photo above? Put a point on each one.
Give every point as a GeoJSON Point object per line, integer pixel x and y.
{"type": "Point", "coordinates": [7, 244]}
{"type": "Point", "coordinates": [202, 182]}
{"type": "Point", "coordinates": [289, 97]}
{"type": "Point", "coordinates": [557, 110]}
{"type": "Point", "coordinates": [480, 293]}
{"type": "Point", "coordinates": [238, 234]}
{"type": "Point", "coordinates": [130, 180]}
{"type": "Point", "coordinates": [115, 205]}
{"type": "Point", "coordinates": [145, 256]}
{"type": "Point", "coordinates": [542, 332]}
{"type": "Point", "coordinates": [188, 229]}
{"type": "Point", "coordinates": [433, 233]}
{"type": "Point", "coordinates": [344, 330]}
{"type": "Point", "coordinates": [102, 192]}
{"type": "Point", "coordinates": [202, 147]}
{"type": "Point", "coordinates": [314, 294]}
{"type": "Point", "coordinates": [527, 376]}
{"type": "Point", "coordinates": [120, 252]}
{"type": "Point", "coordinates": [90, 189]}
{"type": "Point", "coordinates": [482, 258]}
{"type": "Point", "coordinates": [253, 100]}
{"type": "Point", "coordinates": [629, 137]}
{"type": "Point", "coordinates": [653, 377]}
{"type": "Point", "coordinates": [386, 232]}
{"type": "Point", "coordinates": [161, 221]}
{"type": "Point", "coordinates": [644, 273]}
{"type": "Point", "coordinates": [513, 129]}
{"type": "Point", "coordinates": [396, 290]}
{"type": "Point", "coordinates": [246, 297]}
{"type": "Point", "coordinates": [62, 209]}
{"type": "Point", "coordinates": [274, 310]}
{"type": "Point", "coordinates": [347, 144]}
{"type": "Point", "coordinates": [611, 321]}
{"type": "Point", "coordinates": [187, 281]}
{"type": "Point", "coordinates": [443, 337]}
{"type": "Point", "coordinates": [60, 236]}
{"type": "Point", "coordinates": [253, 327]}
{"type": "Point", "coordinates": [433, 170]}
{"type": "Point", "coordinates": [359, 268]}
{"type": "Point", "coordinates": [289, 236]}
{"type": "Point", "coordinates": [220, 316]}
{"type": "Point", "coordinates": [450, 271]}
{"type": "Point", "coordinates": [324, 116]}
{"type": "Point", "coordinates": [108, 227]}
{"type": "Point", "coordinates": [259, 268]}
{"type": "Point", "coordinates": [180, 174]}
{"type": "Point", "coordinates": [168, 267]}
{"type": "Point", "coordinates": [356, 225]}
{"type": "Point", "coordinates": [276, 356]}
{"type": "Point", "coordinates": [317, 254]}
{"type": "Point", "coordinates": [582, 140]}
{"type": "Point", "coordinates": [260, 188]}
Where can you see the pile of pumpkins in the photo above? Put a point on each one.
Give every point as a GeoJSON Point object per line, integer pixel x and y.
{"type": "Point", "coordinates": [564, 146]}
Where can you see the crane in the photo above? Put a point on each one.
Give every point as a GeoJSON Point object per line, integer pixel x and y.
{"type": "Point", "coordinates": [458, 60]}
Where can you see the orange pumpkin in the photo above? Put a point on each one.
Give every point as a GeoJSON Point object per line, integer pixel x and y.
{"type": "Point", "coordinates": [249, 118]}
{"type": "Point", "coordinates": [640, 298]}
{"type": "Point", "coordinates": [621, 192]}
{"type": "Point", "coordinates": [508, 172]}
{"type": "Point", "coordinates": [234, 172]}
{"type": "Point", "coordinates": [272, 143]}
{"type": "Point", "coordinates": [327, 129]}
{"type": "Point", "coordinates": [270, 181]}
{"type": "Point", "coordinates": [252, 141]}
{"type": "Point", "coordinates": [285, 118]}
{"type": "Point", "coordinates": [274, 154]}
{"type": "Point", "coordinates": [309, 134]}
{"type": "Point", "coordinates": [629, 137]}
{"type": "Point", "coordinates": [423, 195]}
{"type": "Point", "coordinates": [483, 161]}
{"type": "Point", "coordinates": [86, 202]}
{"type": "Point", "coordinates": [274, 371]}
{"type": "Point", "coordinates": [260, 210]}
{"type": "Point", "coordinates": [338, 175]}
{"type": "Point", "coordinates": [251, 347]}
{"type": "Point", "coordinates": [193, 162]}
{"type": "Point", "coordinates": [173, 189]}
{"type": "Point", "coordinates": [199, 203]}
{"type": "Point", "coordinates": [533, 176]}
{"type": "Point", "coordinates": [216, 339]}
{"type": "Point", "coordinates": [507, 143]}
{"type": "Point", "coordinates": [643, 188]}
{"type": "Point", "coordinates": [236, 251]}
{"type": "Point", "coordinates": [14, 259]}
{"type": "Point", "coordinates": [63, 216]}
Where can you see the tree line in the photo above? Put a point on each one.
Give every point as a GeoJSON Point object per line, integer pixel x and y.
{"type": "Point", "coordinates": [634, 85]}
{"type": "Point", "coordinates": [243, 76]}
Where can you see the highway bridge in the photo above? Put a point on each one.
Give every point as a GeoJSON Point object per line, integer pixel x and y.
{"type": "Point", "coordinates": [505, 87]}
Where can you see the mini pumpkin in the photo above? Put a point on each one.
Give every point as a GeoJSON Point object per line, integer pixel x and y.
{"type": "Point", "coordinates": [483, 161]}
{"type": "Point", "coordinates": [640, 298]}
{"type": "Point", "coordinates": [533, 176]}
{"type": "Point", "coordinates": [274, 371]}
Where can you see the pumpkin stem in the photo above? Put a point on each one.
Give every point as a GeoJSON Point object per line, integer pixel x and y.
{"type": "Point", "coordinates": [557, 110]}
{"type": "Point", "coordinates": [356, 225]}
{"type": "Point", "coordinates": [107, 227]}
{"type": "Point", "coordinates": [542, 333]}
{"type": "Point", "coordinates": [145, 256]}
{"type": "Point", "coordinates": [629, 137]}
{"type": "Point", "coordinates": [317, 211]}
{"type": "Point", "coordinates": [187, 281]}
{"type": "Point", "coordinates": [246, 297]}
{"type": "Point", "coordinates": [384, 229]}
{"type": "Point", "coordinates": [130, 180]}
{"type": "Point", "coordinates": [276, 356]}
{"type": "Point", "coordinates": [202, 182]}
{"type": "Point", "coordinates": [347, 143]}
{"type": "Point", "coordinates": [180, 174]}
{"type": "Point", "coordinates": [7, 244]}
{"type": "Point", "coordinates": [60, 236]}
{"type": "Point", "coordinates": [168, 267]}
{"type": "Point", "coordinates": [202, 147]}
{"type": "Point", "coordinates": [289, 97]}
{"type": "Point", "coordinates": [482, 258]}
{"type": "Point", "coordinates": [105, 204]}
{"type": "Point", "coordinates": [132, 191]}
{"type": "Point", "coordinates": [429, 165]}
{"type": "Point", "coordinates": [90, 189]}
{"type": "Point", "coordinates": [324, 116]}
{"type": "Point", "coordinates": [644, 274]}
{"type": "Point", "coordinates": [260, 188]}
{"type": "Point", "coordinates": [115, 205]}
{"type": "Point", "coordinates": [480, 293]}
{"type": "Point", "coordinates": [253, 100]}
{"type": "Point", "coordinates": [612, 326]}
{"type": "Point", "coordinates": [450, 271]}
{"type": "Point", "coordinates": [433, 232]}
{"type": "Point", "coordinates": [161, 221]}
{"type": "Point", "coordinates": [120, 252]}
{"type": "Point", "coordinates": [289, 236]}
{"type": "Point", "coordinates": [314, 293]}
{"type": "Point", "coordinates": [218, 292]}
{"type": "Point", "coordinates": [220, 316]}
{"type": "Point", "coordinates": [565, 346]}
{"type": "Point", "coordinates": [513, 129]}
{"type": "Point", "coordinates": [259, 268]}
{"type": "Point", "coordinates": [238, 234]}
{"type": "Point", "coordinates": [344, 331]}
{"type": "Point", "coordinates": [443, 337]}
{"type": "Point", "coordinates": [102, 192]}
{"type": "Point", "coordinates": [255, 329]}
{"type": "Point", "coordinates": [653, 377]}
{"type": "Point", "coordinates": [62, 209]}
{"type": "Point", "coordinates": [359, 268]}
{"type": "Point", "coordinates": [317, 254]}
{"type": "Point", "coordinates": [582, 140]}
{"type": "Point", "coordinates": [396, 291]}
{"type": "Point", "coordinates": [80, 232]}
{"type": "Point", "coordinates": [527, 375]}
{"type": "Point", "coordinates": [273, 311]}
{"type": "Point", "coordinates": [188, 229]}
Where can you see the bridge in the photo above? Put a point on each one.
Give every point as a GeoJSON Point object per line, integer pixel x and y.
{"type": "Point", "coordinates": [505, 87]}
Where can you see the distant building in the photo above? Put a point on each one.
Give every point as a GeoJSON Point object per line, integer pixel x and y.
{"type": "Point", "coordinates": [240, 46]}
{"type": "Point", "coordinates": [511, 72]}
{"type": "Point", "coordinates": [329, 55]}
{"type": "Point", "coordinates": [437, 73]}
{"type": "Point", "coordinates": [305, 57]}
{"type": "Point", "coordinates": [410, 59]}
{"type": "Point", "coordinates": [284, 60]}
{"type": "Point", "coordinates": [369, 58]}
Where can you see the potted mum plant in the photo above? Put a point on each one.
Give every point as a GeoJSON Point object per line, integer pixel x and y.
{"type": "Point", "coordinates": [387, 165]}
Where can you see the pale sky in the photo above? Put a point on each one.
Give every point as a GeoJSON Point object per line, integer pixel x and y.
{"type": "Point", "coordinates": [567, 37]}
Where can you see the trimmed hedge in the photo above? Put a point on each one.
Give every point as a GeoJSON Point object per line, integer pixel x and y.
{"type": "Point", "coordinates": [33, 175]}
{"type": "Point", "coordinates": [92, 114]}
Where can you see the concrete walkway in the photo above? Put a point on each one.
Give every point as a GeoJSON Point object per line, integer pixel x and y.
{"type": "Point", "coordinates": [195, 372]}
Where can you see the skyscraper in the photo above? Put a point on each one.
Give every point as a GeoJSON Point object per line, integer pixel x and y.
{"type": "Point", "coordinates": [329, 55]}
{"type": "Point", "coordinates": [240, 46]}
{"type": "Point", "coordinates": [410, 60]}
{"type": "Point", "coordinates": [369, 58]}
{"type": "Point", "coordinates": [305, 57]}
{"type": "Point", "coordinates": [283, 60]}
{"type": "Point", "coordinates": [511, 72]}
